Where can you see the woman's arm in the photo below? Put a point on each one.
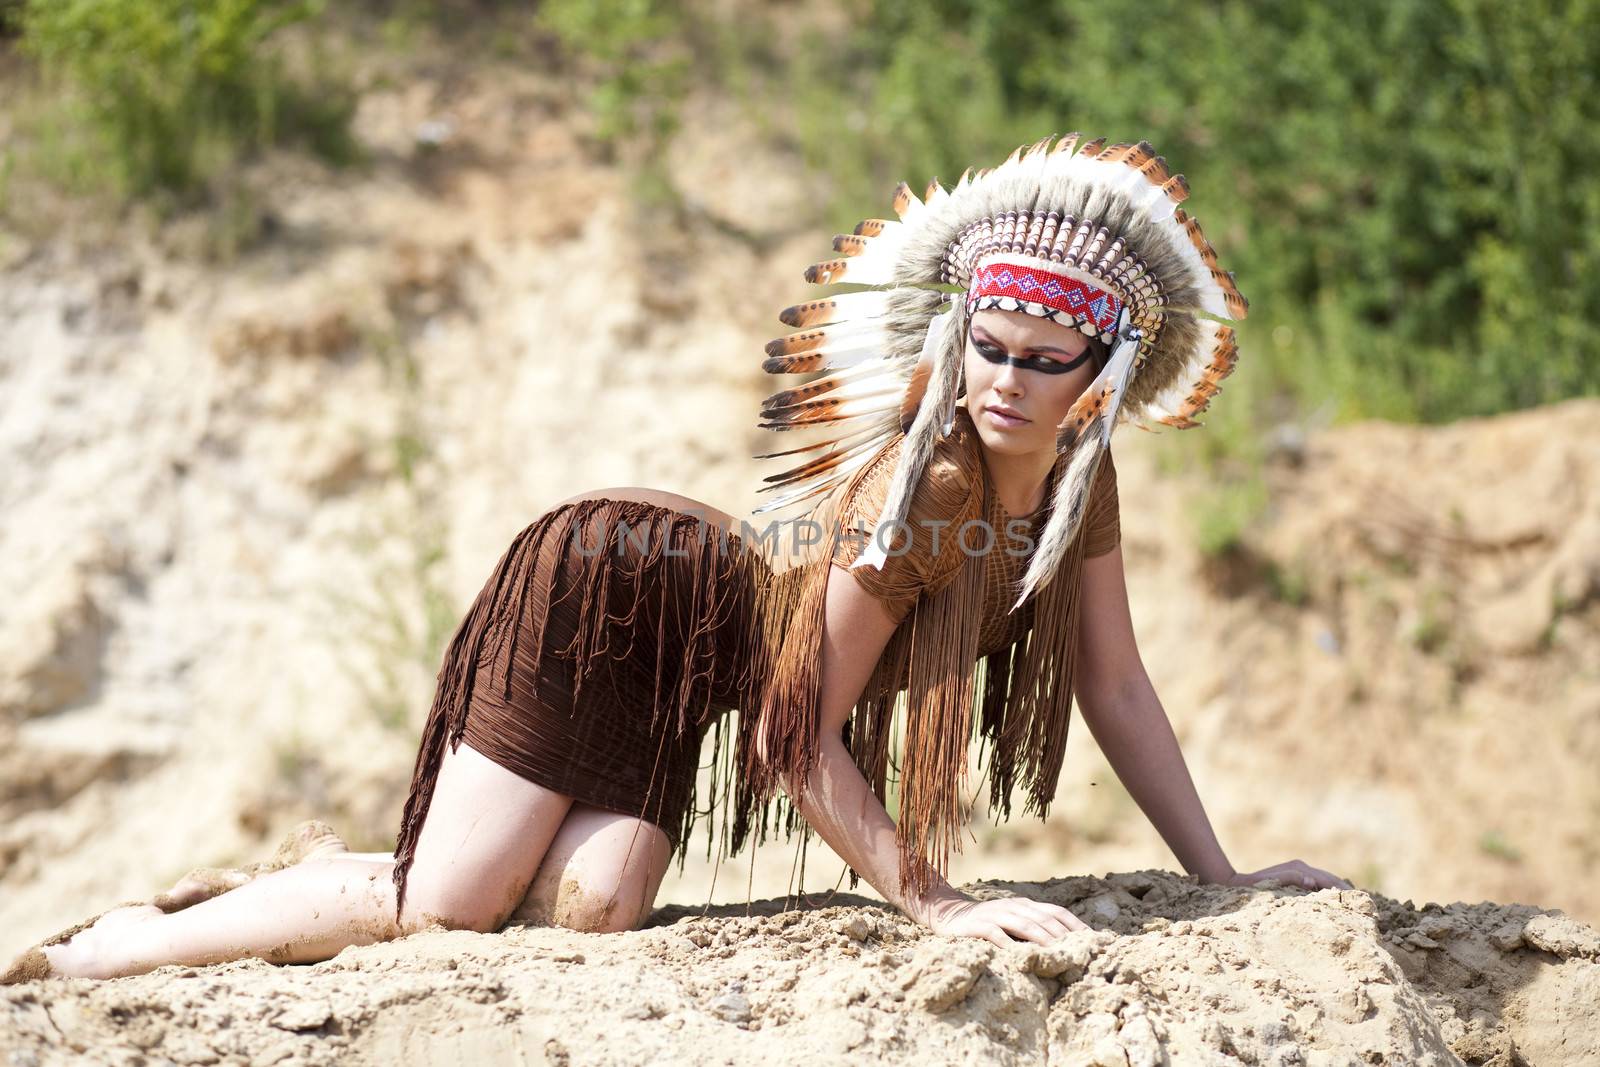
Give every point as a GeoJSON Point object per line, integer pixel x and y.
{"type": "Point", "coordinates": [1131, 727]}
{"type": "Point", "coordinates": [838, 803]}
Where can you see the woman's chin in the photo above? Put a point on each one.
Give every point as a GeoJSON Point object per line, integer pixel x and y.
{"type": "Point", "coordinates": [1013, 441]}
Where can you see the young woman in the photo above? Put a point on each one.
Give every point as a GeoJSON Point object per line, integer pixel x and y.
{"type": "Point", "coordinates": [972, 394]}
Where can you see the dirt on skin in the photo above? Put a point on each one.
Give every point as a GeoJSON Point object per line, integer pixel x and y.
{"type": "Point", "coordinates": [1170, 971]}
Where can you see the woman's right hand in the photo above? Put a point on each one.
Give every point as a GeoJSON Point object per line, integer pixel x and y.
{"type": "Point", "coordinates": [1022, 918]}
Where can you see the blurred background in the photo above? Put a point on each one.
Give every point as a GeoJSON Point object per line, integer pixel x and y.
{"type": "Point", "coordinates": [307, 309]}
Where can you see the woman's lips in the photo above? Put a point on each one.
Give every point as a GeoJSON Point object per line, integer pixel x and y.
{"type": "Point", "coordinates": [1004, 421]}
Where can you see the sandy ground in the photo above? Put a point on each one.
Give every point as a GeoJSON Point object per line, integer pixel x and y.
{"type": "Point", "coordinates": [1171, 972]}
{"type": "Point", "coordinates": [245, 506]}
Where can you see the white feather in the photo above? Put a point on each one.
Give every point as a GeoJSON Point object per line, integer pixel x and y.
{"type": "Point", "coordinates": [851, 307]}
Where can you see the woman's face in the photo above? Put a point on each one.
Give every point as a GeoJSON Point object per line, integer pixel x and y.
{"type": "Point", "coordinates": [1038, 392]}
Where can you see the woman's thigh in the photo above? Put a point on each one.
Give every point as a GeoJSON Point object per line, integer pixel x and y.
{"type": "Point", "coordinates": [485, 834]}
{"type": "Point", "coordinates": [600, 874]}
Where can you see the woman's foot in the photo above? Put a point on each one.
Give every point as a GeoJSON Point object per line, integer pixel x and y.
{"type": "Point", "coordinates": [82, 953]}
{"type": "Point", "coordinates": [310, 840]}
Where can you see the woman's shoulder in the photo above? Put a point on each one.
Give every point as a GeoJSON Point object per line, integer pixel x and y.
{"type": "Point", "coordinates": [951, 479]}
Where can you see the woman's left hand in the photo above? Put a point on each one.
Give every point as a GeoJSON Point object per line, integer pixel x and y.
{"type": "Point", "coordinates": [1295, 872]}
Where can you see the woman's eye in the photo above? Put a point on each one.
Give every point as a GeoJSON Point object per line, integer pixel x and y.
{"type": "Point", "coordinates": [1044, 363]}
{"type": "Point", "coordinates": [992, 354]}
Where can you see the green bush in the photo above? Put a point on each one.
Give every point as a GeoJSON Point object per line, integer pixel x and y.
{"type": "Point", "coordinates": [175, 90]}
{"type": "Point", "coordinates": [1409, 191]}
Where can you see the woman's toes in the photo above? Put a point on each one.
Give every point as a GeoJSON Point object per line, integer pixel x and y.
{"type": "Point", "coordinates": [31, 966]}
{"type": "Point", "coordinates": [311, 840]}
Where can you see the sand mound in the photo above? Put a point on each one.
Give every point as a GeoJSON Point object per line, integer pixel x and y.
{"type": "Point", "coordinates": [1198, 974]}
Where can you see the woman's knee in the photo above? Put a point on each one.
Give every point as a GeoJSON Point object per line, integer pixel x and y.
{"type": "Point", "coordinates": [446, 899]}
{"type": "Point", "coordinates": [600, 874]}
{"type": "Point", "coordinates": [596, 909]}
{"type": "Point", "coordinates": [484, 835]}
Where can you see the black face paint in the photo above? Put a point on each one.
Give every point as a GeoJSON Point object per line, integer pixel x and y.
{"type": "Point", "coordinates": [1042, 364]}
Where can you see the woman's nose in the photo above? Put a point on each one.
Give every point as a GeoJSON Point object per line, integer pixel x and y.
{"type": "Point", "coordinates": [1008, 379]}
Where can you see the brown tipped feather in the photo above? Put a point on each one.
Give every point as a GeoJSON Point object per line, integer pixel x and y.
{"type": "Point", "coordinates": [1197, 237]}
{"type": "Point", "coordinates": [1039, 146]}
{"type": "Point", "coordinates": [795, 343]}
{"type": "Point", "coordinates": [850, 244]}
{"type": "Point", "coordinates": [852, 439]}
{"type": "Point", "coordinates": [811, 313]}
{"type": "Point", "coordinates": [801, 364]}
{"type": "Point", "coordinates": [1091, 149]}
{"type": "Point", "coordinates": [1121, 152]}
{"type": "Point", "coordinates": [818, 491]}
{"type": "Point", "coordinates": [1236, 300]}
{"type": "Point", "coordinates": [1084, 411]}
{"type": "Point", "coordinates": [1237, 305]}
{"type": "Point", "coordinates": [789, 421]}
{"type": "Point", "coordinates": [1176, 188]}
{"type": "Point", "coordinates": [819, 465]}
{"type": "Point", "coordinates": [785, 398]}
{"type": "Point", "coordinates": [902, 199]}
{"type": "Point", "coordinates": [871, 227]}
{"type": "Point", "coordinates": [933, 190]}
{"type": "Point", "coordinates": [825, 408]}
{"type": "Point", "coordinates": [1224, 357]}
{"type": "Point", "coordinates": [814, 446]}
{"type": "Point", "coordinates": [830, 270]}
{"type": "Point", "coordinates": [1066, 144]}
{"type": "Point", "coordinates": [1156, 170]}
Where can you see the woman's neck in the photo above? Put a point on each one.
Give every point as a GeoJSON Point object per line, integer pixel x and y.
{"type": "Point", "coordinates": [1018, 480]}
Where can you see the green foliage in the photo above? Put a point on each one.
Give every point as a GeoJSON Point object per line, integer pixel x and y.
{"type": "Point", "coordinates": [1410, 187]}
{"type": "Point", "coordinates": [641, 50]}
{"type": "Point", "coordinates": [1493, 843]}
{"type": "Point", "coordinates": [172, 91]}
{"type": "Point", "coordinates": [1406, 189]}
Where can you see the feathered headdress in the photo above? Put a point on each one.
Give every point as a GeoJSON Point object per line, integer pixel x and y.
{"type": "Point", "coordinates": [1094, 238]}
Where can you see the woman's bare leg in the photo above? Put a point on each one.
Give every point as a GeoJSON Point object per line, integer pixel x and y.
{"type": "Point", "coordinates": [600, 874]}
{"type": "Point", "coordinates": [486, 832]}
{"type": "Point", "coordinates": [310, 840]}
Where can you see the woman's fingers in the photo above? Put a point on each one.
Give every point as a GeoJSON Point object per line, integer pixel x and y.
{"type": "Point", "coordinates": [991, 932]}
{"type": "Point", "coordinates": [1043, 922]}
{"type": "Point", "coordinates": [1027, 928]}
{"type": "Point", "coordinates": [1299, 873]}
{"type": "Point", "coordinates": [1056, 920]}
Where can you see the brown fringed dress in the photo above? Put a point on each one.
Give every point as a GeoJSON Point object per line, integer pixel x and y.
{"type": "Point", "coordinates": [614, 635]}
